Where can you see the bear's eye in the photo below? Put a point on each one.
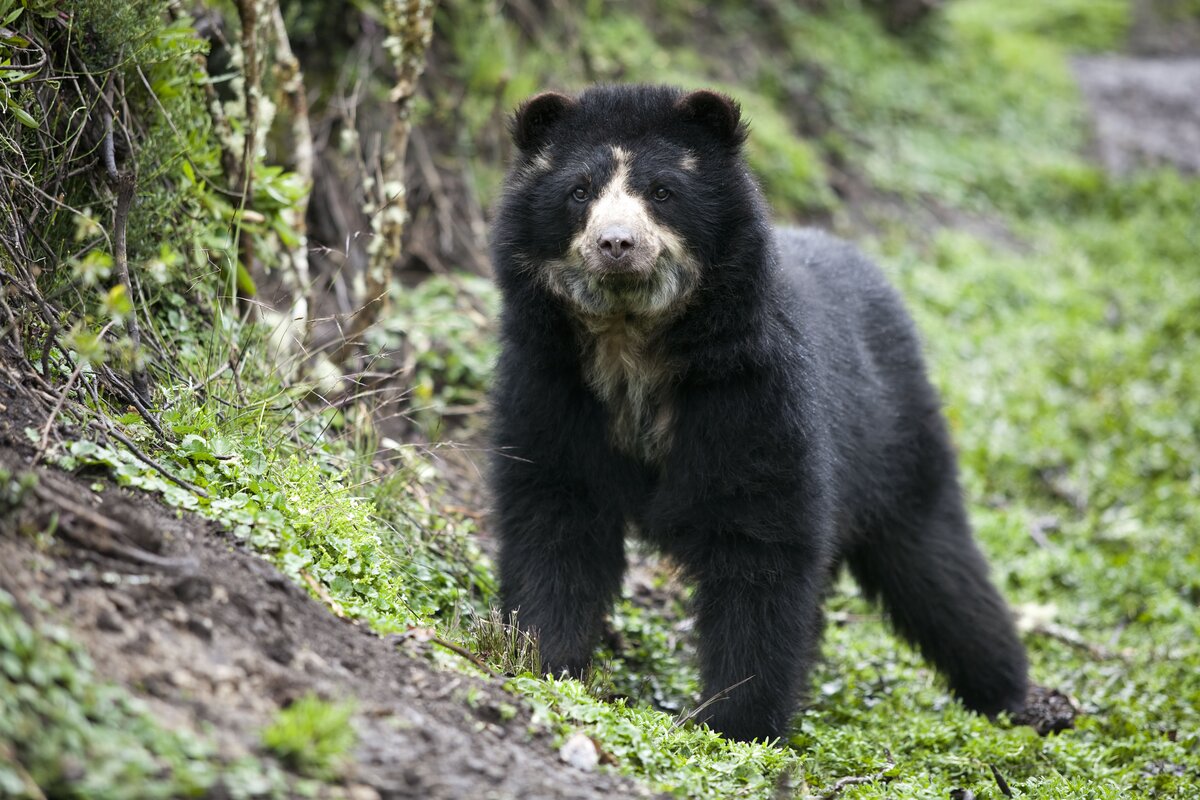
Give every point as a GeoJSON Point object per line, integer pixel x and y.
{"type": "Point", "coordinates": [661, 193]}
{"type": "Point", "coordinates": [580, 194]}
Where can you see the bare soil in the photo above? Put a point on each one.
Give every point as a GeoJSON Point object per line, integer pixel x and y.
{"type": "Point", "coordinates": [214, 637]}
{"type": "Point", "coordinates": [1144, 111]}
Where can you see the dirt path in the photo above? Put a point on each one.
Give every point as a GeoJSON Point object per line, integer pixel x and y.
{"type": "Point", "coordinates": [1145, 111]}
{"type": "Point", "coordinates": [213, 636]}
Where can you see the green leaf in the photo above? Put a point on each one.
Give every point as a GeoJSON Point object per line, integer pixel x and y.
{"type": "Point", "coordinates": [117, 303]}
{"type": "Point", "coordinates": [12, 16]}
{"type": "Point", "coordinates": [22, 115]}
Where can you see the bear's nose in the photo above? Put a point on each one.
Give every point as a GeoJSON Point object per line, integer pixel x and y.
{"type": "Point", "coordinates": [615, 241]}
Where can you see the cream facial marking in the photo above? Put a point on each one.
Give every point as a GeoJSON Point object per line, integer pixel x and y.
{"type": "Point", "coordinates": [617, 209]}
{"type": "Point", "coordinates": [622, 260]}
{"type": "Point", "coordinates": [688, 163]}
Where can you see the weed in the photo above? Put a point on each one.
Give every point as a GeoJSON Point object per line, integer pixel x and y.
{"type": "Point", "coordinates": [312, 736]}
{"type": "Point", "coordinates": [1064, 348]}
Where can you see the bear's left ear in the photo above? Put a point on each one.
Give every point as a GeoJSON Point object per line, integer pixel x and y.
{"type": "Point", "coordinates": [534, 118]}
{"type": "Point", "coordinates": [720, 114]}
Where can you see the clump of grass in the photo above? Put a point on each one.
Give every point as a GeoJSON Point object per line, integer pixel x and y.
{"type": "Point", "coordinates": [503, 645]}
{"type": "Point", "coordinates": [414, 568]}
{"type": "Point", "coordinates": [687, 760]}
{"type": "Point", "coordinates": [312, 736]}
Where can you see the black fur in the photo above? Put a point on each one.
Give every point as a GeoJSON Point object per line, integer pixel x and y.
{"type": "Point", "coordinates": [804, 431]}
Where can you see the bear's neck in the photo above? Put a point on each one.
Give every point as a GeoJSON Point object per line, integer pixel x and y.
{"type": "Point", "coordinates": [623, 362]}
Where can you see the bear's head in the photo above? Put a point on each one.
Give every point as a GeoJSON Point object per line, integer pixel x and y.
{"type": "Point", "coordinates": [621, 198]}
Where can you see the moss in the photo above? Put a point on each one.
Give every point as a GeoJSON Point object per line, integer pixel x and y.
{"type": "Point", "coordinates": [1075, 25]}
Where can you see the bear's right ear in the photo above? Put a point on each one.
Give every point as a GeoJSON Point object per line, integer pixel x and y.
{"type": "Point", "coordinates": [536, 116]}
{"type": "Point", "coordinates": [720, 114]}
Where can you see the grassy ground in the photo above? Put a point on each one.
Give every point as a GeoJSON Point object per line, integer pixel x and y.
{"type": "Point", "coordinates": [1065, 339]}
{"type": "Point", "coordinates": [1064, 333]}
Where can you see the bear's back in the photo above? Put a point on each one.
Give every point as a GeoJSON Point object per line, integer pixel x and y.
{"type": "Point", "coordinates": [870, 372]}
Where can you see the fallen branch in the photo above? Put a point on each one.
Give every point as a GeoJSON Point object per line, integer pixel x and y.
{"type": "Point", "coordinates": [110, 545]}
{"type": "Point", "coordinates": [426, 635]}
{"type": "Point", "coordinates": [853, 780]}
{"type": "Point", "coordinates": [465, 653]}
{"type": "Point", "coordinates": [131, 394]}
{"type": "Point", "coordinates": [1073, 639]}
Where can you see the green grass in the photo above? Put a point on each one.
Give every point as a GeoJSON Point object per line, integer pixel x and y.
{"type": "Point", "coordinates": [378, 552]}
{"type": "Point", "coordinates": [1067, 355]}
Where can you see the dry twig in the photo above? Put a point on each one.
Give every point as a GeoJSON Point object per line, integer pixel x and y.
{"type": "Point", "coordinates": [465, 653]}
{"type": "Point", "coordinates": [44, 439]}
{"type": "Point", "coordinates": [721, 695]}
{"type": "Point", "coordinates": [1074, 639]}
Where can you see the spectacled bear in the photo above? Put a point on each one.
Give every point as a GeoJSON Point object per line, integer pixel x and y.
{"type": "Point", "coordinates": [751, 400]}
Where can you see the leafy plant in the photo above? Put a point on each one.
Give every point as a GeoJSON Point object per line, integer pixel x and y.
{"type": "Point", "coordinates": [312, 736]}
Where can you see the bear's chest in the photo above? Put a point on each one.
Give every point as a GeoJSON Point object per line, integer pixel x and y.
{"type": "Point", "coordinates": [625, 367]}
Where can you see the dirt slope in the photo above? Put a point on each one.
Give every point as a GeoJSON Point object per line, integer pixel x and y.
{"type": "Point", "coordinates": [211, 635]}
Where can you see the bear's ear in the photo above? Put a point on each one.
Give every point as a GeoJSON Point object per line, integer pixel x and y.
{"type": "Point", "coordinates": [720, 114]}
{"type": "Point", "coordinates": [536, 116]}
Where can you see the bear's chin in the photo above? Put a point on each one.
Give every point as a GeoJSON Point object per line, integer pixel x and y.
{"type": "Point", "coordinates": [659, 294]}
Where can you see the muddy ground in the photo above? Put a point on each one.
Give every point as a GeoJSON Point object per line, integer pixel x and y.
{"type": "Point", "coordinates": [212, 636]}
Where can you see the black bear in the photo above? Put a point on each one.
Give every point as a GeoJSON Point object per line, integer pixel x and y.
{"type": "Point", "coordinates": [750, 400]}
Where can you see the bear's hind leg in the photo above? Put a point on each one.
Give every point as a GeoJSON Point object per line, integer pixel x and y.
{"type": "Point", "coordinates": [934, 585]}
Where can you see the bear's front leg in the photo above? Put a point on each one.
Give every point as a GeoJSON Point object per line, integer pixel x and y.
{"type": "Point", "coordinates": [561, 562]}
{"type": "Point", "coordinates": [758, 618]}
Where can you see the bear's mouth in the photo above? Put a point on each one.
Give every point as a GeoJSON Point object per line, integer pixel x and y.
{"type": "Point", "coordinates": [623, 282]}
{"type": "Point", "coordinates": [592, 292]}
